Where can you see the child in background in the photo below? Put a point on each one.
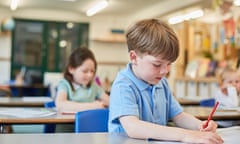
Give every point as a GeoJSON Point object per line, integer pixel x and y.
{"type": "Point", "coordinates": [78, 90]}
{"type": "Point", "coordinates": [141, 103]}
{"type": "Point", "coordinates": [228, 94]}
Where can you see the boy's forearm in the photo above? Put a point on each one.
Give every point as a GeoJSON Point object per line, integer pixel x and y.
{"type": "Point", "coordinates": [136, 128]}
{"type": "Point", "coordinates": [185, 120]}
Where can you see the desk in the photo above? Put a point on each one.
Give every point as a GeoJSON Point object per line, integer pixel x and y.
{"type": "Point", "coordinates": [23, 101]}
{"type": "Point", "coordinates": [203, 113]}
{"type": "Point", "coordinates": [188, 101]}
{"type": "Point", "coordinates": [53, 119]}
{"type": "Point", "coordinates": [200, 112]}
{"type": "Point", "coordinates": [68, 138]}
{"type": "Point", "coordinates": [230, 136]}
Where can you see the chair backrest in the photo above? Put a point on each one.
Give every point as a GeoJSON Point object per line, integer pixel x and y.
{"type": "Point", "coordinates": [92, 121]}
{"type": "Point", "coordinates": [50, 104]}
{"type": "Point", "coordinates": [49, 128]}
{"type": "Point", "coordinates": [207, 102]}
{"type": "Point", "coordinates": [51, 79]}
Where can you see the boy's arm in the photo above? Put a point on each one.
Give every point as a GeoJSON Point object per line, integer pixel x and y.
{"type": "Point", "coordinates": [139, 129]}
{"type": "Point", "coordinates": [185, 120]}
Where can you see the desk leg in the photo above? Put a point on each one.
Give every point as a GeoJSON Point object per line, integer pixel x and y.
{"type": "Point", "coordinates": [5, 128]}
{"type": "Point", "coordinates": [1, 128]}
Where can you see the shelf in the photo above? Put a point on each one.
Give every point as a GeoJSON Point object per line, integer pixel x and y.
{"type": "Point", "coordinates": [5, 33]}
{"type": "Point", "coordinates": [4, 59]}
{"type": "Point", "coordinates": [112, 63]}
{"type": "Point", "coordinates": [202, 87]}
{"type": "Point", "coordinates": [107, 40]}
{"type": "Point", "coordinates": [111, 38]}
{"type": "Point", "coordinates": [198, 79]}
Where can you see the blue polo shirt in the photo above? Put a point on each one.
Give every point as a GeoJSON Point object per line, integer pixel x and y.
{"type": "Point", "coordinates": [131, 96]}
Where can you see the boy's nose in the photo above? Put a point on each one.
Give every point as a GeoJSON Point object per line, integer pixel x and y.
{"type": "Point", "coordinates": [164, 69]}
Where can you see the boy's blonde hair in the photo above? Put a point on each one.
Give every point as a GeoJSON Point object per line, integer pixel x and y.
{"type": "Point", "coordinates": [154, 37]}
{"type": "Point", "coordinates": [226, 72]}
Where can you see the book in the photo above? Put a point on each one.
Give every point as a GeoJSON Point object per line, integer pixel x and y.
{"type": "Point", "coordinates": [203, 67]}
{"type": "Point", "coordinates": [192, 68]}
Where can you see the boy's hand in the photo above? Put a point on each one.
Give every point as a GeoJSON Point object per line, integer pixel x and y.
{"type": "Point", "coordinates": [212, 126]}
{"type": "Point", "coordinates": [224, 88]}
{"type": "Point", "coordinates": [197, 137]}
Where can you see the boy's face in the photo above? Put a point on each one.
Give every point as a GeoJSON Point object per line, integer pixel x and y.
{"type": "Point", "coordinates": [232, 79]}
{"type": "Point", "coordinates": [149, 68]}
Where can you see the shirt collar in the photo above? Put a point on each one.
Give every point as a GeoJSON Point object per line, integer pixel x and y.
{"type": "Point", "coordinates": [142, 85]}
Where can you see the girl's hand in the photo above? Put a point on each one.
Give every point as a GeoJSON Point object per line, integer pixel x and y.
{"type": "Point", "coordinates": [98, 104]}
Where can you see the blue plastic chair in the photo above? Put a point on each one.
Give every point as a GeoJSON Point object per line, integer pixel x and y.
{"type": "Point", "coordinates": [49, 128]}
{"type": "Point", "coordinates": [210, 102]}
{"type": "Point", "coordinates": [92, 121]}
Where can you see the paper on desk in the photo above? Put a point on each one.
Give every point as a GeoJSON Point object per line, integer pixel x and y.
{"type": "Point", "coordinates": [36, 99]}
{"type": "Point", "coordinates": [27, 112]}
{"type": "Point", "coordinates": [232, 108]}
{"type": "Point", "coordinates": [165, 142]}
{"type": "Point", "coordinates": [230, 135]}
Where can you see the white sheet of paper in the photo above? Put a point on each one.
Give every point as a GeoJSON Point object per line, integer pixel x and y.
{"type": "Point", "coordinates": [229, 135]}
{"type": "Point", "coordinates": [27, 113]}
{"type": "Point", "coordinates": [37, 99]}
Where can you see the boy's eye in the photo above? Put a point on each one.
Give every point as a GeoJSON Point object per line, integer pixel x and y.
{"type": "Point", "coordinates": [157, 65]}
{"type": "Point", "coordinates": [230, 82]}
{"type": "Point", "coordinates": [160, 65]}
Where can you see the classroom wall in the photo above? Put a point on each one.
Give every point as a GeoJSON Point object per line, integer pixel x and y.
{"type": "Point", "coordinates": [100, 26]}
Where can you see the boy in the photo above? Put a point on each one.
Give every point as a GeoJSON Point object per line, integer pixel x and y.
{"type": "Point", "coordinates": [141, 102]}
{"type": "Point", "coordinates": [228, 93]}
{"type": "Point", "coordinates": [229, 89]}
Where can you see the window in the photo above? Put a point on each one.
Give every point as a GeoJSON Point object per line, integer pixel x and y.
{"type": "Point", "coordinates": [44, 46]}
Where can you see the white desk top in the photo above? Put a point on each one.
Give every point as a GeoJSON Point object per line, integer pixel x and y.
{"type": "Point", "coordinates": [29, 101]}
{"type": "Point", "coordinates": [230, 136]}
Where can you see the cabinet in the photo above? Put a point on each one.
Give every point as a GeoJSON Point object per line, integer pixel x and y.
{"type": "Point", "coordinates": [200, 87]}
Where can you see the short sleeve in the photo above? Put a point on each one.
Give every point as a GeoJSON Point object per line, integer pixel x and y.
{"type": "Point", "coordinates": [63, 85]}
{"type": "Point", "coordinates": [122, 102]}
{"type": "Point", "coordinates": [99, 90]}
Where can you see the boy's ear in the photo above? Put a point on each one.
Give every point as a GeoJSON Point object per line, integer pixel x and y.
{"type": "Point", "coordinates": [133, 56]}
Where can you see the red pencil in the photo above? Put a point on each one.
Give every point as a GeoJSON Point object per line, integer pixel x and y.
{"type": "Point", "coordinates": [211, 114]}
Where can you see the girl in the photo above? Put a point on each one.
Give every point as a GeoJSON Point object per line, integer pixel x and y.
{"type": "Point", "coordinates": [78, 91]}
